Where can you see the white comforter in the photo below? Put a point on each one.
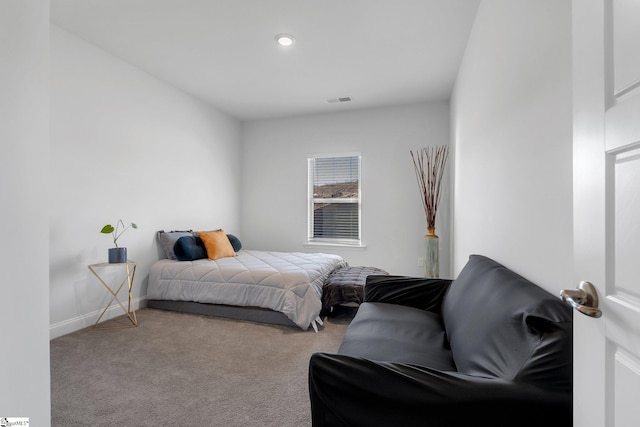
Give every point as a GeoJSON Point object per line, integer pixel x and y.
{"type": "Point", "coordinates": [288, 282]}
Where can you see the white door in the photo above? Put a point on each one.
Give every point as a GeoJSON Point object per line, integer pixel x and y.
{"type": "Point", "coordinates": [606, 75]}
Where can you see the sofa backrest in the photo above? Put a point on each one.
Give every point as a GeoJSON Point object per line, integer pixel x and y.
{"type": "Point", "coordinates": [500, 325]}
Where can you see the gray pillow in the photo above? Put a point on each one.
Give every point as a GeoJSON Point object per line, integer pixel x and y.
{"type": "Point", "coordinates": [168, 239]}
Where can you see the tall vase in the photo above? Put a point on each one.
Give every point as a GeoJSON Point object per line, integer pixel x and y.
{"type": "Point", "coordinates": [432, 254]}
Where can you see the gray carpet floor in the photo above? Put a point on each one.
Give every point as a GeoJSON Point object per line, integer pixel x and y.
{"type": "Point", "coordinates": [187, 370]}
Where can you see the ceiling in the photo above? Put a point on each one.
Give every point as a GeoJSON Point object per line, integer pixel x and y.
{"type": "Point", "coordinates": [377, 52]}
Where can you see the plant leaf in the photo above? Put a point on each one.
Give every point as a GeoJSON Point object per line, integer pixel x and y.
{"type": "Point", "coordinates": [107, 229]}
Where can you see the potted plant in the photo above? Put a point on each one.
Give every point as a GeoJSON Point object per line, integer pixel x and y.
{"type": "Point", "coordinates": [117, 254]}
{"type": "Point", "coordinates": [429, 163]}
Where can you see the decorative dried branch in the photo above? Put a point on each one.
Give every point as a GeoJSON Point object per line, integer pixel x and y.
{"type": "Point", "coordinates": [429, 163]}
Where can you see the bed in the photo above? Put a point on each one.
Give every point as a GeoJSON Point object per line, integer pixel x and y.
{"type": "Point", "coordinates": [273, 287]}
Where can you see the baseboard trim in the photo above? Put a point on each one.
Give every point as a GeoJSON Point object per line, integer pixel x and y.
{"type": "Point", "coordinates": [80, 322]}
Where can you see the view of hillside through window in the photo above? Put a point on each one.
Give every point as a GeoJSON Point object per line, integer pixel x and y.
{"type": "Point", "coordinates": [347, 190]}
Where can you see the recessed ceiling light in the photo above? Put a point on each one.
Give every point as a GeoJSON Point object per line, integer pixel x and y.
{"type": "Point", "coordinates": [285, 39]}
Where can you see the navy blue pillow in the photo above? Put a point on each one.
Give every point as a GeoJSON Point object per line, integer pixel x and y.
{"type": "Point", "coordinates": [189, 248]}
{"type": "Point", "coordinates": [235, 242]}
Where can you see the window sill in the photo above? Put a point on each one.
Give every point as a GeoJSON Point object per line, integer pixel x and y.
{"type": "Point", "coordinates": [361, 246]}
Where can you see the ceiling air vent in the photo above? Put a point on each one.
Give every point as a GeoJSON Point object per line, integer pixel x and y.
{"type": "Point", "coordinates": [334, 100]}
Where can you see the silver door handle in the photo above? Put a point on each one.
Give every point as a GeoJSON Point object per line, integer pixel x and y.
{"type": "Point", "coordinates": [584, 299]}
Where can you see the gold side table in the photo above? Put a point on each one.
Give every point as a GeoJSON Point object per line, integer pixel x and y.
{"type": "Point", "coordinates": [130, 310]}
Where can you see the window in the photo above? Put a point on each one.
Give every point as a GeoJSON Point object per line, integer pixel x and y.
{"type": "Point", "coordinates": [334, 200]}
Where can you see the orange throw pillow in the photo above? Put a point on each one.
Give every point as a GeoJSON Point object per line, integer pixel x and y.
{"type": "Point", "coordinates": [217, 244]}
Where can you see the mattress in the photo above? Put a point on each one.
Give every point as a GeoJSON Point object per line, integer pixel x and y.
{"type": "Point", "coordinates": [286, 282]}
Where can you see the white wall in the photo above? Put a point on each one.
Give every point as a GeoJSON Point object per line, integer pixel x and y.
{"type": "Point", "coordinates": [511, 129]}
{"type": "Point", "coordinates": [125, 145]}
{"type": "Point", "coordinates": [274, 181]}
{"type": "Point", "coordinates": [24, 254]}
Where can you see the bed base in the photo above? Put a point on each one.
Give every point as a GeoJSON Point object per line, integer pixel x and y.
{"type": "Point", "coordinates": [253, 314]}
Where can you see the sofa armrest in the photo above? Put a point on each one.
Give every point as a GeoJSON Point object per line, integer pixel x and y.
{"type": "Point", "coordinates": [417, 292]}
{"type": "Point", "coordinates": [351, 391]}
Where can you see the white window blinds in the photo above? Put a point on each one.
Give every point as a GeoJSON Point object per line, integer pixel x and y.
{"type": "Point", "coordinates": [334, 199]}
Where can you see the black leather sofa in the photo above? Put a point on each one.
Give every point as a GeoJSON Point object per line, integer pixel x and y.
{"type": "Point", "coordinates": [488, 349]}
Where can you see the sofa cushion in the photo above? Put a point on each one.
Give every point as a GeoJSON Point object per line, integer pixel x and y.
{"type": "Point", "coordinates": [394, 333]}
{"type": "Point", "coordinates": [501, 325]}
